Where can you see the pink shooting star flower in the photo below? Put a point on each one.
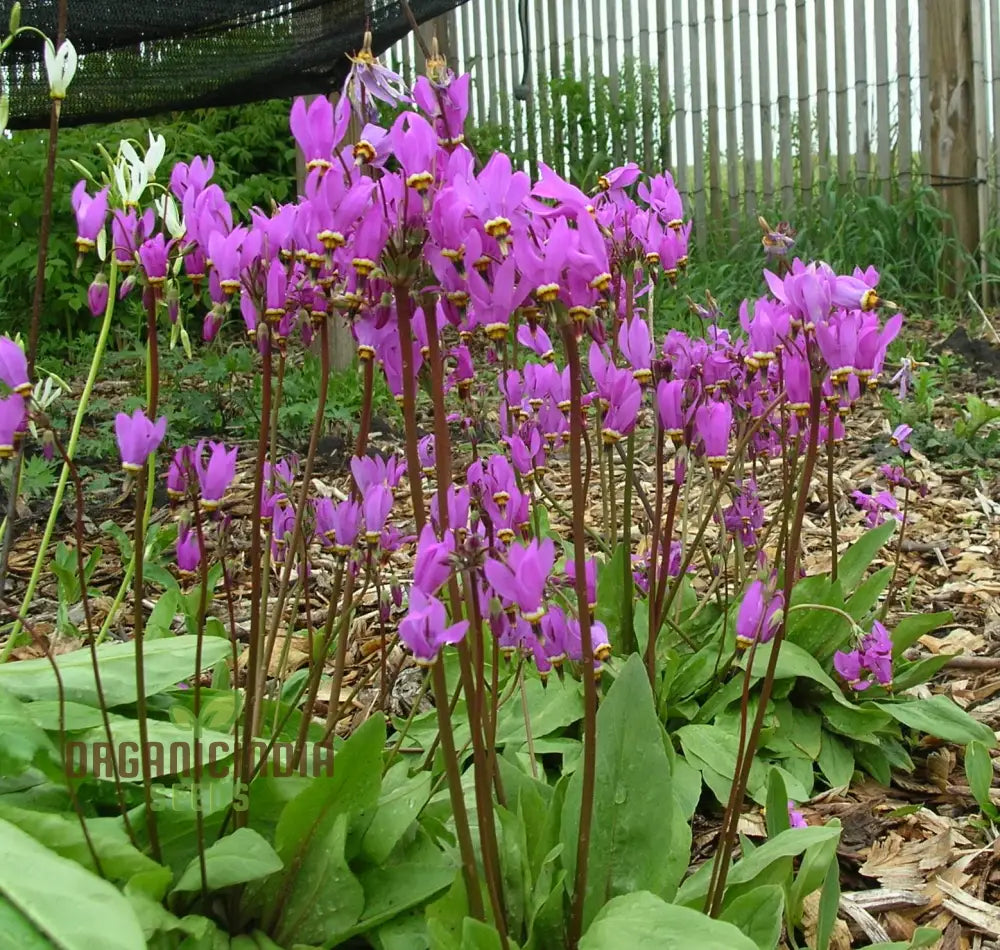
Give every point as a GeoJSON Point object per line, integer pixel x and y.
{"type": "Point", "coordinates": [521, 580]}
{"type": "Point", "coordinates": [188, 550]}
{"type": "Point", "coordinates": [795, 817]}
{"type": "Point", "coordinates": [153, 254]}
{"type": "Point", "coordinates": [758, 616]}
{"type": "Point", "coordinates": [178, 472]}
{"type": "Point", "coordinates": [876, 507]}
{"type": "Point", "coordinates": [432, 565]}
{"type": "Point", "coordinates": [138, 438]}
{"type": "Point", "coordinates": [425, 629]}
{"type": "Point", "coordinates": [345, 525]}
{"type": "Point", "coordinates": [662, 196]}
{"type": "Point", "coordinates": [637, 347]}
{"type": "Point", "coordinates": [91, 214]}
{"type": "Point", "coordinates": [369, 471]}
{"type": "Point", "coordinates": [376, 506]}
{"type": "Point", "coordinates": [493, 306]}
{"type": "Point", "coordinates": [194, 177]}
{"type": "Point", "coordinates": [13, 413]}
{"type": "Point", "coordinates": [670, 409]}
{"type": "Point", "coordinates": [215, 476]}
{"type": "Point", "coordinates": [713, 423]}
{"type": "Point", "coordinates": [900, 438]}
{"type": "Point", "coordinates": [14, 367]}
{"type": "Point", "coordinates": [869, 663]}
{"type": "Point", "coordinates": [97, 295]}
{"type": "Point", "coordinates": [318, 128]}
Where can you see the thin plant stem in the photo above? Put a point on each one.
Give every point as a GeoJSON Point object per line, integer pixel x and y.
{"type": "Point", "coordinates": [300, 508]}
{"type": "Point", "coordinates": [589, 767]}
{"type": "Point", "coordinates": [831, 500]}
{"type": "Point", "coordinates": [628, 628]}
{"type": "Point", "coordinates": [139, 639]}
{"type": "Point", "coordinates": [473, 690]}
{"type": "Point", "coordinates": [244, 765]}
{"type": "Point", "coordinates": [404, 312]}
{"type": "Point", "coordinates": [746, 752]}
{"type": "Point", "coordinates": [92, 645]}
{"type": "Point", "coordinates": [199, 816]}
{"type": "Point", "coordinates": [74, 438]}
{"type": "Point", "coordinates": [891, 592]}
{"type": "Point", "coordinates": [447, 740]}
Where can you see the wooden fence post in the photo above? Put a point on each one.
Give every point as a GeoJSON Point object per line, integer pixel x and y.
{"type": "Point", "coordinates": [953, 139]}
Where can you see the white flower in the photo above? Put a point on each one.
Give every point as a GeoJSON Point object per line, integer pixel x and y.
{"type": "Point", "coordinates": [166, 208]}
{"type": "Point", "coordinates": [154, 154]}
{"type": "Point", "coordinates": [130, 174]}
{"type": "Point", "coordinates": [61, 66]}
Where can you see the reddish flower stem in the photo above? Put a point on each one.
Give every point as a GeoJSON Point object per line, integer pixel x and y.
{"type": "Point", "coordinates": [587, 646]}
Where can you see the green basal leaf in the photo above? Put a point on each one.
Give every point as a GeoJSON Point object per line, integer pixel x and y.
{"type": "Point", "coordinates": [611, 595]}
{"type": "Point", "coordinates": [859, 556]}
{"type": "Point", "coordinates": [835, 761]}
{"type": "Point", "coordinates": [166, 663]}
{"type": "Point", "coordinates": [62, 834]}
{"type": "Point", "coordinates": [400, 802]}
{"type": "Point", "coordinates": [939, 716]}
{"type": "Point", "coordinates": [979, 772]}
{"type": "Point", "coordinates": [643, 921]}
{"type": "Point", "coordinates": [910, 629]}
{"type": "Point", "coordinates": [51, 895]}
{"type": "Point", "coordinates": [641, 841]}
{"type": "Point", "coordinates": [788, 844]}
{"type": "Point", "coordinates": [758, 915]}
{"type": "Point", "coordinates": [241, 856]}
{"type": "Point", "coordinates": [776, 813]}
{"type": "Point", "coordinates": [906, 675]}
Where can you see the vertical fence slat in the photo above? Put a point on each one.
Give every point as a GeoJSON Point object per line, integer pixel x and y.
{"type": "Point", "coordinates": [541, 85]}
{"type": "Point", "coordinates": [766, 121]}
{"type": "Point", "coordinates": [805, 110]}
{"type": "Point", "coordinates": [882, 130]}
{"type": "Point", "coordinates": [588, 30]}
{"type": "Point", "coordinates": [979, 92]}
{"type": "Point", "coordinates": [925, 90]}
{"type": "Point", "coordinates": [503, 90]}
{"type": "Point", "coordinates": [614, 91]}
{"type": "Point", "coordinates": [569, 54]}
{"type": "Point", "coordinates": [600, 79]}
{"type": "Point", "coordinates": [493, 66]}
{"type": "Point", "coordinates": [714, 148]}
{"type": "Point", "coordinates": [784, 114]}
{"type": "Point", "coordinates": [523, 114]}
{"type": "Point", "coordinates": [841, 92]}
{"type": "Point", "coordinates": [674, 122]}
{"type": "Point", "coordinates": [631, 92]}
{"type": "Point", "coordinates": [480, 76]}
{"type": "Point", "coordinates": [697, 136]}
{"type": "Point", "coordinates": [732, 133]}
{"type": "Point", "coordinates": [822, 96]}
{"type": "Point", "coordinates": [749, 137]}
{"type": "Point", "coordinates": [558, 107]}
{"type": "Point", "coordinates": [904, 131]}
{"type": "Point", "coordinates": [995, 51]}
{"type": "Point", "coordinates": [862, 149]}
{"type": "Point", "coordinates": [646, 88]}
{"type": "Point", "coordinates": [663, 105]}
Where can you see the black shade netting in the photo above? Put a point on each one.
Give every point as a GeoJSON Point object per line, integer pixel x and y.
{"type": "Point", "coordinates": [149, 56]}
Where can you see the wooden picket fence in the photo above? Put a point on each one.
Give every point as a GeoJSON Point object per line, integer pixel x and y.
{"type": "Point", "coordinates": [755, 105]}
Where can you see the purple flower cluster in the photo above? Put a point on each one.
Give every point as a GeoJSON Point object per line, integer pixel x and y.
{"type": "Point", "coordinates": [420, 250]}
{"type": "Point", "coordinates": [870, 662]}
